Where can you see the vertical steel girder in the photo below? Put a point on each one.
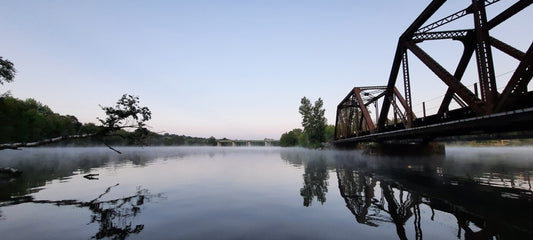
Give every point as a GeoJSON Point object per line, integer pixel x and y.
{"type": "Point", "coordinates": [487, 78]}
{"type": "Point", "coordinates": [353, 116]}
{"type": "Point", "coordinates": [407, 88]}
{"type": "Point", "coordinates": [392, 82]}
{"type": "Point", "coordinates": [476, 40]}
{"type": "Point", "coordinates": [408, 34]}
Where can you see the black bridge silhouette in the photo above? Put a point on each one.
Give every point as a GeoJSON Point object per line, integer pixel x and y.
{"type": "Point", "coordinates": [484, 112]}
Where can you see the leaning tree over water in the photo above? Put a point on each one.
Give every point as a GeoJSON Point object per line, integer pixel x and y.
{"type": "Point", "coordinates": [127, 114]}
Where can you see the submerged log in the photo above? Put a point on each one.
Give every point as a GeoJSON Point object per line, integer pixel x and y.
{"type": "Point", "coordinates": [15, 146]}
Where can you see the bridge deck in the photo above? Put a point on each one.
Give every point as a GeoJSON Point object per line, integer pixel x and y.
{"type": "Point", "coordinates": [500, 125]}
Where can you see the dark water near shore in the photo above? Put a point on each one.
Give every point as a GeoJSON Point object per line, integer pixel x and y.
{"type": "Point", "coordinates": [266, 193]}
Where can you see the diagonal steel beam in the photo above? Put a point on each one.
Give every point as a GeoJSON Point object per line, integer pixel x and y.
{"type": "Point", "coordinates": [422, 18]}
{"type": "Point", "coordinates": [459, 101]}
{"type": "Point", "coordinates": [507, 13]}
{"type": "Point", "coordinates": [447, 78]}
{"type": "Point", "coordinates": [520, 79]}
{"type": "Point", "coordinates": [468, 51]}
{"type": "Point", "coordinates": [398, 111]}
{"type": "Point", "coordinates": [504, 47]}
{"type": "Point", "coordinates": [375, 98]}
{"type": "Point", "coordinates": [390, 86]}
{"type": "Point", "coordinates": [364, 110]}
{"type": "Point", "coordinates": [404, 104]}
{"type": "Point", "coordinates": [407, 35]}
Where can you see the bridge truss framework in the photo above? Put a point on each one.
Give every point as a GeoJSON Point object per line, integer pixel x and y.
{"type": "Point", "coordinates": [505, 111]}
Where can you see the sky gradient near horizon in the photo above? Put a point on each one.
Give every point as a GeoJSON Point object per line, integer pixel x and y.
{"type": "Point", "coordinates": [234, 69]}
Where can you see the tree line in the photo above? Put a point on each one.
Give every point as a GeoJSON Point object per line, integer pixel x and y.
{"type": "Point", "coordinates": [23, 121]}
{"type": "Point", "coordinates": [29, 123]}
{"type": "Point", "coordinates": [315, 131]}
{"type": "Point", "coordinates": [29, 120]}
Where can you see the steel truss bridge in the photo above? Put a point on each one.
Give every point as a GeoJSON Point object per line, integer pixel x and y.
{"type": "Point", "coordinates": [487, 113]}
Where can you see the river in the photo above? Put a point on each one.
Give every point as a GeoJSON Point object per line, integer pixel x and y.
{"type": "Point", "coordinates": [266, 193]}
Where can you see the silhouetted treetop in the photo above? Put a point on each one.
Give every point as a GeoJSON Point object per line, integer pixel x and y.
{"type": "Point", "coordinates": [126, 114]}
{"type": "Point", "coordinates": [7, 71]}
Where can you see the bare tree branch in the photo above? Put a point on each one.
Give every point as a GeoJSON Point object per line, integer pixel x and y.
{"type": "Point", "coordinates": [117, 151]}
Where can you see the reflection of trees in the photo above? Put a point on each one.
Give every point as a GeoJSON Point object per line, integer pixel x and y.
{"type": "Point", "coordinates": [315, 182]}
{"type": "Point", "coordinates": [40, 166]}
{"type": "Point", "coordinates": [115, 217]}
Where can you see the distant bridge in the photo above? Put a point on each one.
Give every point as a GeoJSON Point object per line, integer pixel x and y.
{"type": "Point", "coordinates": [481, 113]}
{"type": "Point", "coordinates": [243, 143]}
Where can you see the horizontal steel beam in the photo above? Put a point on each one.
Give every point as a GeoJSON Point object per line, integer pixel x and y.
{"type": "Point", "coordinates": [459, 34]}
{"type": "Point", "coordinates": [512, 121]}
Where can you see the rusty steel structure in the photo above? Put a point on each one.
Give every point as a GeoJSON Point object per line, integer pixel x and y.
{"type": "Point", "coordinates": [488, 113]}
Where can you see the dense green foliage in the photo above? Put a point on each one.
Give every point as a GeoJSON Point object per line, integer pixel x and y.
{"type": "Point", "coordinates": [329, 133]}
{"type": "Point", "coordinates": [290, 139]}
{"type": "Point", "coordinates": [316, 131]}
{"type": "Point", "coordinates": [29, 120]}
{"type": "Point", "coordinates": [313, 121]}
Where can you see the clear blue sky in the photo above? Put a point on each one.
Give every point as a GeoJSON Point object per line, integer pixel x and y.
{"type": "Point", "coordinates": [234, 69]}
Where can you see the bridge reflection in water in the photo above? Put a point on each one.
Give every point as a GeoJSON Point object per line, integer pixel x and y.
{"type": "Point", "coordinates": [487, 198]}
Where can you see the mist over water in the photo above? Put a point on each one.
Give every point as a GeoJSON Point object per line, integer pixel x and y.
{"type": "Point", "coordinates": [265, 193]}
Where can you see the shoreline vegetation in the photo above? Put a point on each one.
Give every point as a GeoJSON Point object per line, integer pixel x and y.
{"type": "Point", "coordinates": [29, 122]}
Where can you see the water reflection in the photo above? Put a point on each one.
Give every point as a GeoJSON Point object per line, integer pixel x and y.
{"type": "Point", "coordinates": [357, 189]}
{"type": "Point", "coordinates": [488, 199]}
{"type": "Point", "coordinates": [236, 193]}
{"type": "Point", "coordinates": [115, 217]}
{"type": "Point", "coordinates": [315, 176]}
{"type": "Point", "coordinates": [315, 182]}
{"type": "Point", "coordinates": [391, 205]}
{"type": "Point", "coordinates": [40, 166]}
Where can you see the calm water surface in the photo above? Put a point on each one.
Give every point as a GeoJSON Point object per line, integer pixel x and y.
{"type": "Point", "coordinates": [265, 193]}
